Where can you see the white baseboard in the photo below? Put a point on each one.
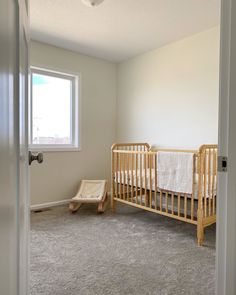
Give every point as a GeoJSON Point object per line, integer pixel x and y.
{"type": "Point", "coordinates": [49, 205]}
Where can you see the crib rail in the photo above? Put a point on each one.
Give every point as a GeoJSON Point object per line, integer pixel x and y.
{"type": "Point", "coordinates": [135, 182]}
{"type": "Point", "coordinates": [134, 175]}
{"type": "Point", "coordinates": [131, 146]}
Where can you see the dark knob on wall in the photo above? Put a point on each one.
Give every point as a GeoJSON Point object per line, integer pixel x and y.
{"type": "Point", "coordinates": [35, 157]}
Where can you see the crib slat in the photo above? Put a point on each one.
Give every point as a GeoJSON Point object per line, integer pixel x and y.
{"type": "Point", "coordinates": [136, 175]}
{"type": "Point", "coordinates": [166, 202]}
{"type": "Point", "coordinates": [178, 204]}
{"type": "Point", "coordinates": [161, 201]}
{"type": "Point", "coordinates": [205, 185]}
{"type": "Point", "coordinates": [172, 203]}
{"type": "Point", "coordinates": [116, 173]}
{"type": "Point", "coordinates": [185, 206]}
{"type": "Point", "coordinates": [150, 180]}
{"type": "Point", "coordinates": [192, 205]}
{"type": "Point", "coordinates": [155, 184]}
{"type": "Point", "coordinates": [209, 170]}
{"type": "Point", "coordinates": [141, 178]}
{"type": "Point", "coordinates": [121, 175]}
{"type": "Point", "coordinates": [213, 181]}
{"type": "Point", "coordinates": [124, 180]}
{"type": "Point", "coordinates": [128, 176]}
{"type": "Point", "coordinates": [132, 178]}
{"type": "Point", "coordinates": [193, 187]}
{"type": "Point", "coordinates": [113, 176]}
{"type": "Point", "coordinates": [200, 184]}
{"type": "Point", "coordinates": [145, 177]}
{"type": "Point", "coordinates": [209, 182]}
{"type": "Point", "coordinates": [120, 184]}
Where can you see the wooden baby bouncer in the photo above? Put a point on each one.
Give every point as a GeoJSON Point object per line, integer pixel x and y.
{"type": "Point", "coordinates": [90, 191]}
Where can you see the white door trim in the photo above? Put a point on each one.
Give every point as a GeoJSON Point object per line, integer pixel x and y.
{"type": "Point", "coordinates": [226, 212]}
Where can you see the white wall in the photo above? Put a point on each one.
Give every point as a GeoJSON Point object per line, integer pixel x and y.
{"type": "Point", "coordinates": [58, 177]}
{"type": "Point", "coordinates": [169, 97]}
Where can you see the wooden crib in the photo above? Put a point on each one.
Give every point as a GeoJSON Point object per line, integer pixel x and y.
{"type": "Point", "coordinates": [139, 188]}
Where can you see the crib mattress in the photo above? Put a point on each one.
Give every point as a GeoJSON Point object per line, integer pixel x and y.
{"type": "Point", "coordinates": [125, 177]}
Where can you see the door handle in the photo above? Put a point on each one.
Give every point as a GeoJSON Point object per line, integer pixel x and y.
{"type": "Point", "coordinates": [35, 157]}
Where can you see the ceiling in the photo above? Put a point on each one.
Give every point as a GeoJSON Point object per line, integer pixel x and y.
{"type": "Point", "coordinates": [119, 29]}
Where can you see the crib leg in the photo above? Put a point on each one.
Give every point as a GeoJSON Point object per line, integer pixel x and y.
{"type": "Point", "coordinates": [200, 235]}
{"type": "Point", "coordinates": [113, 205]}
{"type": "Point", "coordinates": [147, 198]}
{"type": "Point", "coordinates": [200, 228]}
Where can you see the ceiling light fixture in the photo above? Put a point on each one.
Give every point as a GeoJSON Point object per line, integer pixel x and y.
{"type": "Point", "coordinates": [92, 3]}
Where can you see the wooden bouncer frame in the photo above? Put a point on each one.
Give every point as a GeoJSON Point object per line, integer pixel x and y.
{"type": "Point", "coordinates": [139, 156]}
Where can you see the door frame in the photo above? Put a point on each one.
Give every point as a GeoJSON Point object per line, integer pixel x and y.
{"type": "Point", "coordinates": [226, 206]}
{"type": "Point", "coordinates": [226, 217]}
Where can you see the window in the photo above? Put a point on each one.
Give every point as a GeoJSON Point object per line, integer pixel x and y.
{"type": "Point", "coordinates": [53, 110]}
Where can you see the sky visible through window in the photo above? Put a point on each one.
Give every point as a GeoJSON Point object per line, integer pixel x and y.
{"type": "Point", "coordinates": [51, 110]}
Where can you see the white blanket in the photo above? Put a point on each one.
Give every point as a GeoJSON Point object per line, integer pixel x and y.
{"type": "Point", "coordinates": [175, 171]}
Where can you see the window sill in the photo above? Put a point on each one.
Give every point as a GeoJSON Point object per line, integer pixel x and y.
{"type": "Point", "coordinates": [52, 149]}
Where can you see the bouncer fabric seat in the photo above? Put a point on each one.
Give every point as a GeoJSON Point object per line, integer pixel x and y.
{"type": "Point", "coordinates": [90, 191]}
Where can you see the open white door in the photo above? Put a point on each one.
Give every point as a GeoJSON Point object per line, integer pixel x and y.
{"type": "Point", "coordinates": [226, 212]}
{"type": "Point", "coordinates": [24, 204]}
{"type": "Point", "coordinates": [14, 204]}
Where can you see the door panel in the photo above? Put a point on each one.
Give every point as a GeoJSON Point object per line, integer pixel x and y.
{"type": "Point", "coordinates": [24, 205]}
{"type": "Point", "coordinates": [13, 147]}
{"type": "Point", "coordinates": [24, 211]}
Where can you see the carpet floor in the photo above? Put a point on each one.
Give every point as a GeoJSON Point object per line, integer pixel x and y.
{"type": "Point", "coordinates": [130, 252]}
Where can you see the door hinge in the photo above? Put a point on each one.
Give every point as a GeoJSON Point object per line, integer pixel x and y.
{"type": "Point", "coordinates": [222, 164]}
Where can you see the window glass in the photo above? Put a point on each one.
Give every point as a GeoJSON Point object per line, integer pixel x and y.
{"type": "Point", "coordinates": [53, 113]}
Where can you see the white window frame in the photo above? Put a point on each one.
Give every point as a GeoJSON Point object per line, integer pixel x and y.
{"type": "Point", "coordinates": [75, 114]}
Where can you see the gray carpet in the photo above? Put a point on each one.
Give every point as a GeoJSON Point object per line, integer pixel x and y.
{"type": "Point", "coordinates": [130, 252]}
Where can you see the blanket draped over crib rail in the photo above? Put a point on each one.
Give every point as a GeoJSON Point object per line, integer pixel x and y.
{"type": "Point", "coordinates": [175, 171]}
